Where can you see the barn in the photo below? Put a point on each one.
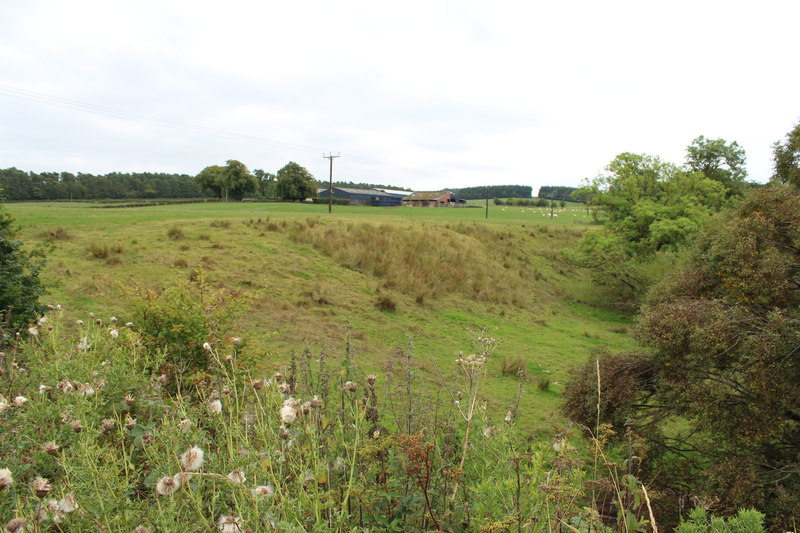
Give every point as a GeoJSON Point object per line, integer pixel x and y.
{"type": "Point", "coordinates": [371, 197]}
{"type": "Point", "coordinates": [433, 199]}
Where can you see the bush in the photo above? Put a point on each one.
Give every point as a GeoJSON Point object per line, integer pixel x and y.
{"type": "Point", "coordinates": [20, 287]}
{"type": "Point", "coordinates": [180, 319]}
{"type": "Point", "coordinates": [175, 233]}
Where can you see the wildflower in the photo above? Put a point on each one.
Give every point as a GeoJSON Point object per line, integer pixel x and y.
{"type": "Point", "coordinates": [285, 388]}
{"type": "Point", "coordinates": [371, 379]}
{"type": "Point", "coordinates": [488, 432]}
{"type": "Point", "coordinates": [19, 401]}
{"type": "Point", "coordinates": [376, 434]}
{"type": "Point", "coordinates": [264, 490]}
{"type": "Point", "coordinates": [257, 384]}
{"type": "Point", "coordinates": [76, 426]}
{"type": "Point", "coordinates": [113, 320]}
{"type": "Point", "coordinates": [236, 340]}
{"type": "Point", "coordinates": [33, 331]}
{"type": "Point", "coordinates": [98, 321]}
{"type": "Point", "coordinates": [67, 504]}
{"type": "Point", "coordinates": [186, 425]}
{"type": "Point", "coordinates": [91, 315]}
{"type": "Point", "coordinates": [229, 524]}
{"type": "Point", "coordinates": [509, 416]}
{"type": "Point", "coordinates": [351, 386]}
{"type": "Point", "coordinates": [107, 425]}
{"type": "Point", "coordinates": [41, 487]}
{"type": "Point", "coordinates": [283, 432]}
{"type": "Point", "coordinates": [66, 386]}
{"type": "Point", "coordinates": [192, 459]}
{"type": "Point", "coordinates": [167, 485]}
{"type": "Point", "coordinates": [207, 347]}
{"type": "Point", "coordinates": [130, 422]}
{"type": "Point", "coordinates": [128, 399]}
{"type": "Point", "coordinates": [15, 525]}
{"type": "Point", "coordinates": [79, 322]}
{"type": "Point", "coordinates": [43, 389]}
{"type": "Point", "coordinates": [229, 358]}
{"type": "Point", "coordinates": [316, 402]}
{"type": "Point", "coordinates": [114, 333]}
{"type": "Point", "coordinates": [305, 408]}
{"type": "Point", "coordinates": [237, 476]}
{"type": "Point", "coordinates": [6, 479]}
{"type": "Point", "coordinates": [288, 414]}
{"type": "Point", "coordinates": [128, 324]}
{"type": "Point", "coordinates": [51, 447]}
{"type": "Point", "coordinates": [215, 406]}
{"type": "Point", "coordinates": [84, 344]}
{"type": "Point", "coordinates": [43, 321]}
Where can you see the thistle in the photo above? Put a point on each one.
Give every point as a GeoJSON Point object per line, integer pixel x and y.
{"type": "Point", "coordinates": [192, 459]}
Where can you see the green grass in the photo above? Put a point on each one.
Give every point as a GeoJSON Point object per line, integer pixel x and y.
{"type": "Point", "coordinates": [315, 276]}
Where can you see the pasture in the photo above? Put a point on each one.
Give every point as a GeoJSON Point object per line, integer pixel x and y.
{"type": "Point", "coordinates": [370, 281]}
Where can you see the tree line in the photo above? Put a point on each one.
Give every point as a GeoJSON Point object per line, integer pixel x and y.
{"type": "Point", "coordinates": [494, 191]}
{"type": "Point", "coordinates": [556, 192]}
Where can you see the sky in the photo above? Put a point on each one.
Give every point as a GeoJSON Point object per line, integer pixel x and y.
{"type": "Point", "coordinates": [419, 94]}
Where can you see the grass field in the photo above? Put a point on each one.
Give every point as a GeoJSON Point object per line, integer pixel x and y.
{"type": "Point", "coordinates": [378, 278]}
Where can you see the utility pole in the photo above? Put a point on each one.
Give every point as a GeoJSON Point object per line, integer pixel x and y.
{"type": "Point", "coordinates": [487, 202]}
{"type": "Point", "coordinates": [330, 181]}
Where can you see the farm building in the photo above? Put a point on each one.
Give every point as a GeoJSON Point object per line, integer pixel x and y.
{"type": "Point", "coordinates": [363, 196]}
{"type": "Point", "coordinates": [433, 199]}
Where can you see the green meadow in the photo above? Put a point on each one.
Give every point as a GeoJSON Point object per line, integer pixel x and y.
{"type": "Point", "coordinates": [370, 281]}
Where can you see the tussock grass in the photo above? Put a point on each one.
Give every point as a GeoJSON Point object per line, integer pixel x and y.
{"type": "Point", "coordinates": [59, 233]}
{"type": "Point", "coordinates": [104, 251]}
{"type": "Point", "coordinates": [476, 262]}
{"type": "Point", "coordinates": [175, 233]}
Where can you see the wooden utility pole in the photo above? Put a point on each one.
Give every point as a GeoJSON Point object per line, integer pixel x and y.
{"type": "Point", "coordinates": [487, 202]}
{"type": "Point", "coordinates": [330, 181]}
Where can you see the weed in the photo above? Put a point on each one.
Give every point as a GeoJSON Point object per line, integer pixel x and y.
{"type": "Point", "coordinates": [513, 366]}
{"type": "Point", "coordinates": [104, 251]}
{"type": "Point", "coordinates": [225, 224]}
{"type": "Point", "coordinates": [56, 234]}
{"type": "Point", "coordinates": [175, 233]}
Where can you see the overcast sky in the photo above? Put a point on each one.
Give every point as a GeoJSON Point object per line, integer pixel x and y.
{"type": "Point", "coordinates": [421, 94]}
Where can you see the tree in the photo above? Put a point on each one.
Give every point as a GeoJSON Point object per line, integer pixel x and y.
{"type": "Point", "coordinates": [20, 287]}
{"type": "Point", "coordinates": [238, 181]}
{"type": "Point", "coordinates": [719, 161]}
{"type": "Point", "coordinates": [212, 179]}
{"type": "Point", "coordinates": [295, 183]}
{"type": "Point", "coordinates": [715, 395]}
{"type": "Point", "coordinates": [266, 185]}
{"type": "Point", "coordinates": [787, 158]}
{"type": "Point", "coordinates": [652, 208]}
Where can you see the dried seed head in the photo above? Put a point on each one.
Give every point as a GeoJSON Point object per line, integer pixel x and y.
{"type": "Point", "coordinates": [33, 331]}
{"type": "Point", "coordinates": [509, 416]}
{"type": "Point", "coordinates": [288, 414]}
{"type": "Point", "coordinates": [44, 389]}
{"type": "Point", "coordinates": [167, 485]}
{"type": "Point", "coordinates": [6, 479]}
{"type": "Point", "coordinates": [316, 402]}
{"type": "Point", "coordinates": [67, 504]}
{"type": "Point", "coordinates": [76, 426]}
{"type": "Point", "coordinates": [51, 447]}
{"type": "Point", "coordinates": [237, 476]}
{"type": "Point", "coordinates": [186, 425]}
{"type": "Point", "coordinates": [41, 487]}
{"type": "Point", "coordinates": [128, 399]}
{"type": "Point", "coordinates": [140, 529]}
{"type": "Point", "coordinates": [371, 379]}
{"type": "Point", "coordinates": [257, 384]}
{"type": "Point", "coordinates": [192, 459]}
{"type": "Point", "coordinates": [113, 320]}
{"type": "Point", "coordinates": [264, 490]}
{"type": "Point", "coordinates": [107, 425]}
{"type": "Point", "coordinates": [4, 405]}
{"type": "Point", "coordinates": [285, 388]}
{"type": "Point", "coordinates": [215, 407]}
{"type": "Point", "coordinates": [66, 386]}
{"type": "Point", "coordinates": [214, 395]}
{"type": "Point", "coordinates": [350, 386]}
{"type": "Point", "coordinates": [19, 401]}
{"type": "Point", "coordinates": [162, 379]}
{"type": "Point", "coordinates": [229, 524]}
{"type": "Point", "coordinates": [114, 333]}
{"type": "Point", "coordinates": [79, 322]}
{"type": "Point", "coordinates": [15, 525]}
{"type": "Point", "coordinates": [207, 347]}
{"type": "Point", "coordinates": [130, 422]}
{"type": "Point", "coordinates": [283, 432]}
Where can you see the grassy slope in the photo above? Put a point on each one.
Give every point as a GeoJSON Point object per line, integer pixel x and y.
{"type": "Point", "coordinates": [313, 273]}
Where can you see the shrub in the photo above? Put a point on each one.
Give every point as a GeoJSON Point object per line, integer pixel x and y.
{"type": "Point", "coordinates": [20, 287]}
{"type": "Point", "coordinates": [181, 318]}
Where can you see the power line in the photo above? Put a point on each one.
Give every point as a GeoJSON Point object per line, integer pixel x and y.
{"type": "Point", "coordinates": [77, 105]}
